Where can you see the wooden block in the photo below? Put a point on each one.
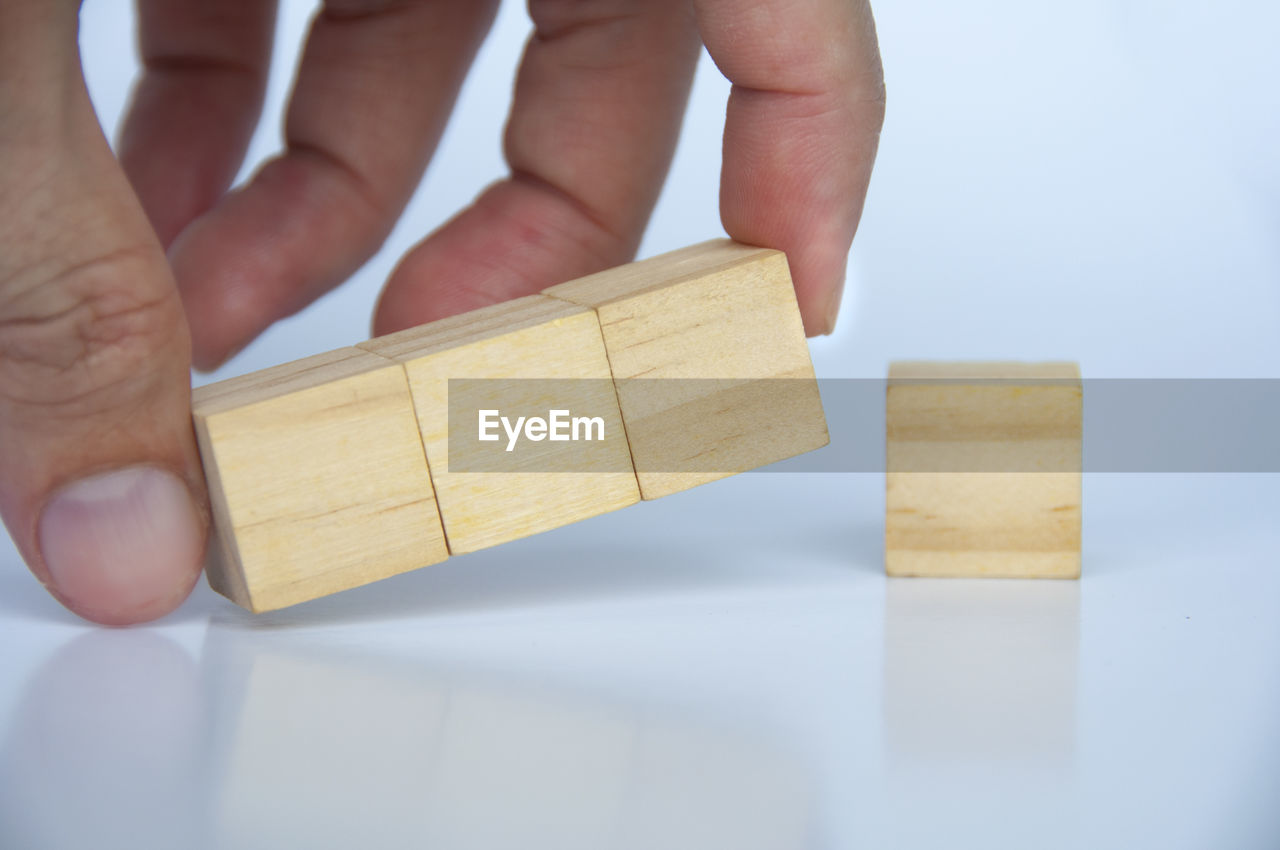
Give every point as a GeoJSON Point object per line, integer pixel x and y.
{"type": "Point", "coordinates": [317, 479]}
{"type": "Point", "coordinates": [710, 361]}
{"type": "Point", "coordinates": [983, 470]}
{"type": "Point", "coordinates": [534, 354]}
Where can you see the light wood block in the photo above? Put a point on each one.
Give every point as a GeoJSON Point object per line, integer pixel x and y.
{"type": "Point", "coordinates": [710, 362]}
{"type": "Point", "coordinates": [527, 356]}
{"type": "Point", "coordinates": [983, 470]}
{"type": "Point", "coordinates": [317, 479]}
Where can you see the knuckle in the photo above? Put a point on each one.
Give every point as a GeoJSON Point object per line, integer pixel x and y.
{"type": "Point", "coordinates": [77, 343]}
{"type": "Point", "coordinates": [554, 19]}
{"type": "Point", "coordinates": [349, 9]}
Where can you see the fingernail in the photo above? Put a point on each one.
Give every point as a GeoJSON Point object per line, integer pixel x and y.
{"type": "Point", "coordinates": [123, 545]}
{"type": "Point", "coordinates": [833, 306]}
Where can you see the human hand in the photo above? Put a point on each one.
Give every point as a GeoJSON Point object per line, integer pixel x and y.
{"type": "Point", "coordinates": [100, 482]}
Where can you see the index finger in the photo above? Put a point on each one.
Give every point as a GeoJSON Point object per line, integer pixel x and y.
{"type": "Point", "coordinates": [801, 132]}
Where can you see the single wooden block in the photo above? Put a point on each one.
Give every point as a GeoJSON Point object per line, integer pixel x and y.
{"type": "Point", "coordinates": [983, 470]}
{"type": "Point", "coordinates": [710, 361]}
{"type": "Point", "coordinates": [527, 357]}
{"type": "Point", "coordinates": [317, 479]}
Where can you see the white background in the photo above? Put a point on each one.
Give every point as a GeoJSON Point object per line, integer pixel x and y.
{"type": "Point", "coordinates": [728, 668]}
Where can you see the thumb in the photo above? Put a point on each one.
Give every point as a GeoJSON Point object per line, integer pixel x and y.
{"type": "Point", "coordinates": [100, 482]}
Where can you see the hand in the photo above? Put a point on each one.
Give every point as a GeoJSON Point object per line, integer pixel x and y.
{"type": "Point", "coordinates": [100, 483]}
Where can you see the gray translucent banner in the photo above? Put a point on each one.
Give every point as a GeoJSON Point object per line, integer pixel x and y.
{"type": "Point", "coordinates": [1114, 425]}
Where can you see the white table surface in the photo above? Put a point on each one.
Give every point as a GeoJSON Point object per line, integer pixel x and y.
{"type": "Point", "coordinates": [728, 667]}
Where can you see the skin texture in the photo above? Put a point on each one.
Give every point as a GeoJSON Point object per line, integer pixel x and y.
{"type": "Point", "coordinates": [116, 275]}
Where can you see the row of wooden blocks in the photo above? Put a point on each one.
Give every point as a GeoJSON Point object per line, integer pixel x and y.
{"type": "Point", "coordinates": [335, 471]}
{"type": "Point", "coordinates": [348, 467]}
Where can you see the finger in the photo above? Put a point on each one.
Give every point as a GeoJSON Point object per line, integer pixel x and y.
{"type": "Point", "coordinates": [99, 477]}
{"type": "Point", "coordinates": [374, 89]}
{"type": "Point", "coordinates": [597, 110]}
{"type": "Point", "coordinates": [195, 107]}
{"type": "Point", "coordinates": [801, 132]}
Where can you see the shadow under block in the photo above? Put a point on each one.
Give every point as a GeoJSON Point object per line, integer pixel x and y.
{"type": "Point", "coordinates": [710, 361]}
{"type": "Point", "coordinates": [528, 356]}
{"type": "Point", "coordinates": [317, 479]}
{"type": "Point", "coordinates": [983, 470]}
